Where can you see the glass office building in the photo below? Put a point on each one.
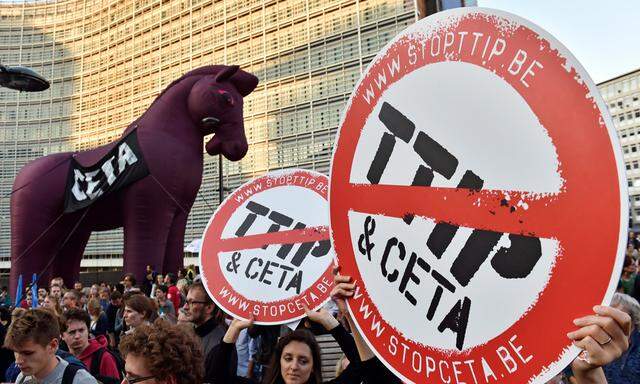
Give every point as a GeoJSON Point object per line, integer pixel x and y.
{"type": "Point", "coordinates": [622, 96]}
{"type": "Point", "coordinates": [108, 60]}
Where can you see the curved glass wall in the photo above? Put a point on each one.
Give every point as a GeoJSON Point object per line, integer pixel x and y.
{"type": "Point", "coordinates": [108, 60]}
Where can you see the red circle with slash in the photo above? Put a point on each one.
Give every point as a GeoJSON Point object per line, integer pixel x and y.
{"type": "Point", "coordinates": [237, 282]}
{"type": "Point", "coordinates": [587, 217]}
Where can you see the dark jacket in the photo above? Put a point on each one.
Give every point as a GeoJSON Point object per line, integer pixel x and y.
{"type": "Point", "coordinates": [626, 370]}
{"type": "Point", "coordinates": [211, 334]}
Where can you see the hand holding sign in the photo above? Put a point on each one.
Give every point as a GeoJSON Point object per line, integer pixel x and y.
{"type": "Point", "coordinates": [603, 337]}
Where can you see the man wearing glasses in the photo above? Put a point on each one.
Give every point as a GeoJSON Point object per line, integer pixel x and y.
{"type": "Point", "coordinates": [209, 324]}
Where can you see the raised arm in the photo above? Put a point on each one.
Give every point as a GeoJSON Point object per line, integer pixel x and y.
{"type": "Point", "coordinates": [373, 371]}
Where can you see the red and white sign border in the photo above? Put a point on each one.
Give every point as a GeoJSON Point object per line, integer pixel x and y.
{"type": "Point", "coordinates": [341, 239]}
{"type": "Point", "coordinates": [212, 245]}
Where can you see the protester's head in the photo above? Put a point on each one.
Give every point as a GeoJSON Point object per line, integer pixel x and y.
{"type": "Point", "coordinates": [56, 291]}
{"type": "Point", "coordinates": [53, 304]}
{"type": "Point", "coordinates": [149, 268]}
{"type": "Point", "coordinates": [168, 353]}
{"type": "Point", "coordinates": [137, 309]}
{"type": "Point", "coordinates": [161, 292]}
{"type": "Point", "coordinates": [42, 293]}
{"type": "Point", "coordinates": [627, 304]}
{"type": "Point", "coordinates": [71, 299]}
{"type": "Point", "coordinates": [76, 330]}
{"type": "Point", "coordinates": [77, 286]}
{"type": "Point", "coordinates": [183, 286]}
{"type": "Point", "coordinates": [33, 337]}
{"type": "Point", "coordinates": [17, 313]}
{"type": "Point", "coordinates": [159, 279]}
{"type": "Point", "coordinates": [59, 281]}
{"type": "Point", "coordinates": [116, 298]}
{"type": "Point", "coordinates": [129, 281]}
{"type": "Point", "coordinates": [105, 293]}
{"type": "Point", "coordinates": [296, 360]}
{"type": "Point", "coordinates": [199, 307]}
{"type": "Point", "coordinates": [94, 308]}
{"type": "Point", "coordinates": [170, 279]}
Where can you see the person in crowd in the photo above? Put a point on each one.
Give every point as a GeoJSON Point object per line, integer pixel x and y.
{"type": "Point", "coordinates": [56, 291]}
{"type": "Point", "coordinates": [53, 303]}
{"type": "Point", "coordinates": [99, 323]}
{"type": "Point", "coordinates": [209, 326]}
{"type": "Point", "coordinates": [244, 353]}
{"type": "Point", "coordinates": [104, 297]}
{"type": "Point", "coordinates": [5, 297]}
{"type": "Point", "coordinates": [6, 355]}
{"type": "Point", "coordinates": [115, 305]}
{"type": "Point", "coordinates": [264, 339]}
{"type": "Point", "coordinates": [158, 282]}
{"type": "Point", "coordinates": [165, 306]}
{"type": "Point", "coordinates": [129, 282]}
{"type": "Point", "coordinates": [59, 281]}
{"type": "Point", "coordinates": [138, 310]}
{"type": "Point", "coordinates": [70, 300]}
{"type": "Point", "coordinates": [149, 279]}
{"type": "Point", "coordinates": [42, 294]}
{"type": "Point", "coordinates": [173, 293]}
{"type": "Point", "coordinates": [162, 353]}
{"type": "Point", "coordinates": [77, 286]}
{"type": "Point", "coordinates": [628, 278]}
{"type": "Point", "coordinates": [190, 273]}
{"type": "Point", "coordinates": [92, 352]}
{"type": "Point", "coordinates": [626, 369]}
{"type": "Point", "coordinates": [28, 301]}
{"type": "Point", "coordinates": [34, 341]}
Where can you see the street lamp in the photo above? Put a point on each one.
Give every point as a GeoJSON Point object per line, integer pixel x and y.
{"type": "Point", "coordinates": [22, 79]}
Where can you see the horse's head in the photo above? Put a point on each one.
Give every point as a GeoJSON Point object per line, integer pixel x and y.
{"type": "Point", "coordinates": [215, 104]}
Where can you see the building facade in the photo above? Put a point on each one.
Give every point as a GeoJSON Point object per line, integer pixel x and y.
{"type": "Point", "coordinates": [622, 96]}
{"type": "Point", "coordinates": [108, 60]}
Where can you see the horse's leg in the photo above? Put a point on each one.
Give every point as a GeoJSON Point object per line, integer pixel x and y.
{"type": "Point", "coordinates": [148, 215]}
{"type": "Point", "coordinates": [31, 244]}
{"type": "Point", "coordinates": [67, 263]}
{"type": "Point", "coordinates": [174, 255]}
{"type": "Point", "coordinates": [37, 222]}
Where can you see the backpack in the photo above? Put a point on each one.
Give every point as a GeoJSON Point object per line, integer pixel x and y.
{"type": "Point", "coordinates": [95, 366]}
{"type": "Point", "coordinates": [68, 375]}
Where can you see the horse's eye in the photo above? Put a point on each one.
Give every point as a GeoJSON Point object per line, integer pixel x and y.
{"type": "Point", "coordinates": [226, 96]}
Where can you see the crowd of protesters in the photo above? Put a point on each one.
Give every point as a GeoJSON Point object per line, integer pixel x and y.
{"type": "Point", "coordinates": [167, 329]}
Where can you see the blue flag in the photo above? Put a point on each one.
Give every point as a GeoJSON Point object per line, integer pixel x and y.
{"type": "Point", "coordinates": [34, 291]}
{"type": "Point", "coordinates": [19, 292]}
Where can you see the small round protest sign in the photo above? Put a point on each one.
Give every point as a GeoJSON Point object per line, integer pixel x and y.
{"type": "Point", "coordinates": [478, 199]}
{"type": "Point", "coordinates": [266, 251]}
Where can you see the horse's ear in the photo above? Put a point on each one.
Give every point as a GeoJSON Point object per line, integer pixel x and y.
{"type": "Point", "coordinates": [244, 82]}
{"type": "Point", "coordinates": [226, 73]}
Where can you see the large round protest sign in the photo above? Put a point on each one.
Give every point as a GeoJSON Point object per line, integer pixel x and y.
{"type": "Point", "coordinates": [478, 199]}
{"type": "Point", "coordinates": [266, 250]}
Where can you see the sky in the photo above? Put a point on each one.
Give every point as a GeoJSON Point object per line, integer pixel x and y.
{"type": "Point", "coordinates": [602, 35]}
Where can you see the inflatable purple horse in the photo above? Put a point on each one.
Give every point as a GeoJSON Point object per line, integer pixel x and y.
{"type": "Point", "coordinates": [48, 235]}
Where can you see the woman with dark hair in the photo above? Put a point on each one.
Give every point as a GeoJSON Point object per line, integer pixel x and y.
{"type": "Point", "coordinates": [296, 359]}
{"type": "Point", "coordinates": [138, 310]}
